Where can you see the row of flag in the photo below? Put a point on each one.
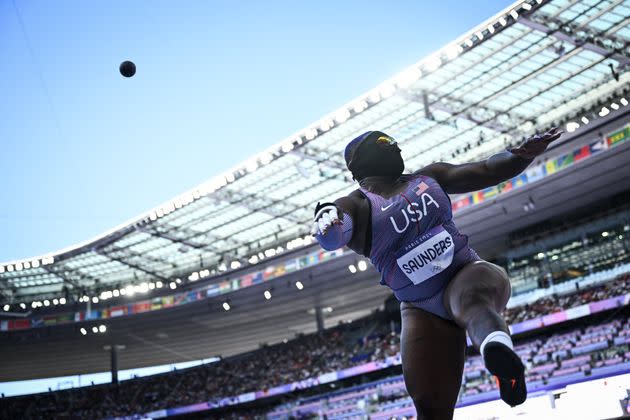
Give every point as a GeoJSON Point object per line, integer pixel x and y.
{"type": "Point", "coordinates": [549, 167]}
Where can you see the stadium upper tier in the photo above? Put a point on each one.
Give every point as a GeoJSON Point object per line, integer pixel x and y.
{"type": "Point", "coordinates": [535, 64]}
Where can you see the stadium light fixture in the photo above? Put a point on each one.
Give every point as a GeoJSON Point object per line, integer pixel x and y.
{"type": "Point", "coordinates": [144, 287]}
{"type": "Point", "coordinates": [253, 259]}
{"type": "Point", "coordinates": [235, 264]}
{"type": "Point", "coordinates": [491, 28]}
{"type": "Point", "coordinates": [33, 305]}
{"type": "Point", "coordinates": [267, 294]}
{"type": "Point", "coordinates": [102, 328]}
{"type": "Point", "coordinates": [151, 286]}
{"type": "Point", "coordinates": [23, 305]}
{"type": "Point", "coordinates": [526, 6]}
{"type": "Point", "coordinates": [18, 266]}
{"type": "Point", "coordinates": [6, 307]}
{"type": "Point", "coordinates": [479, 35]}
{"type": "Point", "coordinates": [10, 268]}
{"type": "Point", "coordinates": [514, 14]}
{"type": "Point", "coordinates": [604, 111]}
{"type": "Point", "coordinates": [130, 290]}
{"type": "Point", "coordinates": [62, 301]}
{"type": "Point", "coordinates": [116, 293]}
{"type": "Point", "coordinates": [46, 302]}
{"type": "Point", "coordinates": [433, 63]}
{"type": "Point", "coordinates": [614, 106]}
{"type": "Point", "coordinates": [178, 281]}
{"type": "Point", "coordinates": [555, 257]}
{"type": "Point", "coordinates": [299, 285]}
{"type": "Point", "coordinates": [352, 268]}
{"type": "Point", "coordinates": [95, 329]}
{"type": "Point", "coordinates": [362, 265]}
{"type": "Point", "coordinates": [172, 285]}
{"type": "Point", "coordinates": [327, 309]}
{"type": "Point", "coordinates": [2, 269]}
{"type": "Point", "coordinates": [541, 255]}
{"type": "Point", "coordinates": [360, 106]}
{"type": "Point", "coordinates": [572, 126]}
{"type": "Point", "coordinates": [469, 42]}
{"type": "Point", "coordinates": [95, 299]}
{"type": "Point", "coordinates": [55, 301]}
{"type": "Point", "coordinates": [28, 264]}
{"type": "Point", "coordinates": [624, 101]}
{"type": "Point", "coordinates": [83, 331]}
{"type": "Point", "coordinates": [585, 120]}
{"type": "Point", "coordinates": [342, 116]}
{"type": "Point", "coordinates": [123, 292]}
{"type": "Point", "coordinates": [503, 21]}
{"type": "Point", "coordinates": [226, 306]}
{"type": "Point", "coordinates": [158, 284]}
{"type": "Point", "coordinates": [604, 234]}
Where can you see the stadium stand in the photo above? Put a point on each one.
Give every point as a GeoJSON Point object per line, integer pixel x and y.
{"type": "Point", "coordinates": [572, 355]}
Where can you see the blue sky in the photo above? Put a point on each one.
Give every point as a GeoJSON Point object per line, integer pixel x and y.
{"type": "Point", "coordinates": [83, 149]}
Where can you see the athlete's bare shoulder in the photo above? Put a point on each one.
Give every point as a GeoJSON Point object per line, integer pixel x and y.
{"type": "Point", "coordinates": [352, 203]}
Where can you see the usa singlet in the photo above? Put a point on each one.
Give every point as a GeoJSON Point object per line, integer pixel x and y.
{"type": "Point", "coordinates": [415, 244]}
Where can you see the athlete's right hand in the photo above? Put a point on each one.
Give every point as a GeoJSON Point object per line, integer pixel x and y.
{"type": "Point", "coordinates": [326, 215]}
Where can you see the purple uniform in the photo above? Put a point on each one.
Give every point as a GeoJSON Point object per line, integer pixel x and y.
{"type": "Point", "coordinates": [415, 244]}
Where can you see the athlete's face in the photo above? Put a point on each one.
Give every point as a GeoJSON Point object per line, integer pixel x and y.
{"type": "Point", "coordinates": [377, 154]}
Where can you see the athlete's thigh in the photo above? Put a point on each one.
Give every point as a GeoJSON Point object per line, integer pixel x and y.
{"type": "Point", "coordinates": [433, 352]}
{"type": "Point", "coordinates": [477, 282]}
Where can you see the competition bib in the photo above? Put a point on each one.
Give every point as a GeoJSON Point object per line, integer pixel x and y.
{"type": "Point", "coordinates": [427, 255]}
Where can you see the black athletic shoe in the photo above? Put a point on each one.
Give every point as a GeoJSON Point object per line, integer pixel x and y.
{"type": "Point", "coordinates": [508, 371]}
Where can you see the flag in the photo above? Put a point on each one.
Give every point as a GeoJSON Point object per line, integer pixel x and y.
{"type": "Point", "coordinates": [505, 186]}
{"type": "Point", "coordinates": [4, 325]}
{"type": "Point", "coordinates": [461, 203]}
{"type": "Point", "coordinates": [564, 161]}
{"type": "Point", "coordinates": [246, 280]}
{"type": "Point", "coordinates": [79, 316]}
{"type": "Point", "coordinates": [167, 301]}
{"type": "Point", "coordinates": [117, 311]}
{"type": "Point", "coordinates": [535, 173]}
{"type": "Point", "coordinates": [598, 146]}
{"type": "Point", "coordinates": [156, 303]}
{"type": "Point", "coordinates": [422, 187]}
{"type": "Point", "coordinates": [268, 273]}
{"type": "Point", "coordinates": [489, 192]}
{"type": "Point", "coordinates": [581, 153]}
{"type": "Point", "coordinates": [224, 287]}
{"type": "Point", "coordinates": [236, 284]}
{"type": "Point", "coordinates": [19, 324]}
{"type": "Point", "coordinates": [617, 137]}
{"type": "Point", "coordinates": [291, 265]}
{"type": "Point", "coordinates": [213, 290]}
{"type": "Point", "coordinates": [50, 320]}
{"type": "Point", "coordinates": [258, 278]}
{"type": "Point", "coordinates": [477, 197]}
{"type": "Point", "coordinates": [550, 167]}
{"type": "Point", "coordinates": [519, 181]}
{"type": "Point", "coordinates": [140, 307]}
{"type": "Point", "coordinates": [37, 322]}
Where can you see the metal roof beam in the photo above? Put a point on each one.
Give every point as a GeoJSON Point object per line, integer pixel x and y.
{"type": "Point", "coordinates": [130, 264]}
{"type": "Point", "coordinates": [566, 31]}
{"type": "Point", "coordinates": [63, 271]}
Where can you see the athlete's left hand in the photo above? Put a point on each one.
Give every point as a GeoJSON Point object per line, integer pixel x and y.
{"type": "Point", "coordinates": [536, 145]}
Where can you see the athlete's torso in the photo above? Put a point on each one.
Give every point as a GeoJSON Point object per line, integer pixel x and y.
{"type": "Point", "coordinates": [414, 243]}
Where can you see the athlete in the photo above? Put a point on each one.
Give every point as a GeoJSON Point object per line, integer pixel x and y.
{"type": "Point", "coordinates": [404, 224]}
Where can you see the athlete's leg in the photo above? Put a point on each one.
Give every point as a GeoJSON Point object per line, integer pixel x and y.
{"type": "Point", "coordinates": [433, 352]}
{"type": "Point", "coordinates": [475, 297]}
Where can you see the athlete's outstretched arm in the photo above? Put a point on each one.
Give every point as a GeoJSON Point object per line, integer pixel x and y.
{"type": "Point", "coordinates": [475, 176]}
{"type": "Point", "coordinates": [333, 225]}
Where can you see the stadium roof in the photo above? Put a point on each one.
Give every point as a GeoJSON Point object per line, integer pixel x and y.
{"type": "Point", "coordinates": [533, 65]}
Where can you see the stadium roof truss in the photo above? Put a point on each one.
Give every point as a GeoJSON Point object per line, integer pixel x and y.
{"type": "Point", "coordinates": [535, 64]}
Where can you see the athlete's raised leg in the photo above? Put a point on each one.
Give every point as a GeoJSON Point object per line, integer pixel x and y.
{"type": "Point", "coordinates": [475, 297]}
{"type": "Point", "coordinates": [433, 352]}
